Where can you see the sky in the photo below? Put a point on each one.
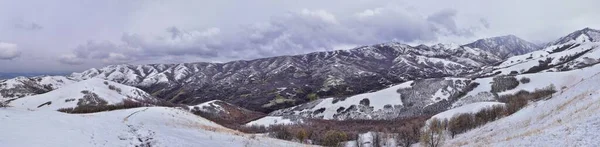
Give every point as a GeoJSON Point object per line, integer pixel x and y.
{"type": "Point", "coordinates": [58, 36]}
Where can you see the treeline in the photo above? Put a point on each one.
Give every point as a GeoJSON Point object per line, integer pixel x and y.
{"type": "Point", "coordinates": [435, 132]}
{"type": "Point", "coordinates": [126, 104]}
{"type": "Point", "coordinates": [334, 132]}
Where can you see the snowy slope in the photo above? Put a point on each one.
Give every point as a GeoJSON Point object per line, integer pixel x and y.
{"type": "Point", "coordinates": [569, 118]}
{"type": "Point", "coordinates": [331, 108]}
{"type": "Point", "coordinates": [23, 86]}
{"type": "Point", "coordinates": [469, 108]}
{"type": "Point", "coordinates": [87, 92]}
{"type": "Point", "coordinates": [155, 126]}
{"type": "Point", "coordinates": [274, 120]}
{"type": "Point", "coordinates": [559, 80]}
{"type": "Point", "coordinates": [407, 99]}
{"type": "Point", "coordinates": [226, 112]}
{"type": "Point", "coordinates": [577, 50]}
{"type": "Point", "coordinates": [504, 46]}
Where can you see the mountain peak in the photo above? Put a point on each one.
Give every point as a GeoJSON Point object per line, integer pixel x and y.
{"type": "Point", "coordinates": [583, 35]}
{"type": "Point", "coordinates": [504, 46]}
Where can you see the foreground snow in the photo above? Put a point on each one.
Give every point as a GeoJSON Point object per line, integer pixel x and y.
{"type": "Point", "coordinates": [157, 126]}
{"type": "Point", "coordinates": [569, 118]}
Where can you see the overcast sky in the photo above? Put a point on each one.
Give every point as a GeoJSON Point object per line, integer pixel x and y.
{"type": "Point", "coordinates": [74, 35]}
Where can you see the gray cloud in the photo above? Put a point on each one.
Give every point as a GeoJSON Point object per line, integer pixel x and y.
{"type": "Point", "coordinates": [28, 26]}
{"type": "Point", "coordinates": [70, 59]}
{"type": "Point", "coordinates": [485, 23]}
{"type": "Point", "coordinates": [9, 51]}
{"type": "Point", "coordinates": [292, 33]}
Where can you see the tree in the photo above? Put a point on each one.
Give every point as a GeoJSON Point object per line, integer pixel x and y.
{"type": "Point", "coordinates": [433, 133]}
{"type": "Point", "coordinates": [406, 135]}
{"type": "Point", "coordinates": [312, 96]}
{"type": "Point", "coordinates": [461, 123]}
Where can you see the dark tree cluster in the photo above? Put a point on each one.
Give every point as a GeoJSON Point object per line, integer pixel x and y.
{"type": "Point", "coordinates": [126, 104]}
{"type": "Point", "coordinates": [503, 83]}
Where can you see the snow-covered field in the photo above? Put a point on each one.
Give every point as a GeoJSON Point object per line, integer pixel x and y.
{"type": "Point", "coordinates": [570, 118]}
{"type": "Point", "coordinates": [157, 126]}
{"type": "Point", "coordinates": [70, 95]}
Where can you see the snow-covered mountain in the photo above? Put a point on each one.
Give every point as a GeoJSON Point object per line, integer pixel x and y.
{"type": "Point", "coordinates": [574, 51]}
{"type": "Point", "coordinates": [591, 35]}
{"type": "Point", "coordinates": [146, 126]}
{"type": "Point", "coordinates": [429, 96]}
{"type": "Point", "coordinates": [91, 92]}
{"type": "Point", "coordinates": [278, 82]}
{"type": "Point", "coordinates": [504, 46]}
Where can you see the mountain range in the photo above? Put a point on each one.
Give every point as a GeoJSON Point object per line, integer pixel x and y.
{"type": "Point", "coordinates": [270, 84]}
{"type": "Point", "coordinates": [378, 82]}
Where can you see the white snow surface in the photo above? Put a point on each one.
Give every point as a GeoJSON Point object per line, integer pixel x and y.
{"type": "Point", "coordinates": [537, 81]}
{"type": "Point", "coordinates": [377, 99]}
{"type": "Point", "coordinates": [272, 120]}
{"type": "Point", "coordinates": [69, 95]}
{"type": "Point", "coordinates": [157, 126]}
{"type": "Point", "coordinates": [570, 118]}
{"type": "Point", "coordinates": [205, 107]}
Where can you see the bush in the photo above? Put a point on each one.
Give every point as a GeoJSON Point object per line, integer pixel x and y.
{"type": "Point", "coordinates": [312, 96]}
{"type": "Point", "coordinates": [461, 123]}
{"type": "Point", "coordinates": [3, 104]}
{"type": "Point", "coordinates": [503, 83]}
{"type": "Point", "coordinates": [525, 80]}
{"type": "Point", "coordinates": [334, 138]}
{"type": "Point", "coordinates": [301, 135]}
{"type": "Point", "coordinates": [281, 132]}
{"type": "Point", "coordinates": [519, 100]}
{"type": "Point", "coordinates": [126, 104]}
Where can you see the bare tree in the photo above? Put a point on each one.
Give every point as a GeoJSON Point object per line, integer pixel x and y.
{"type": "Point", "coordinates": [433, 134]}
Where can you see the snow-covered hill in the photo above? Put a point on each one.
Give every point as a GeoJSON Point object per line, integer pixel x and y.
{"type": "Point", "coordinates": [574, 51]}
{"type": "Point", "coordinates": [402, 100]}
{"type": "Point", "coordinates": [153, 126]}
{"type": "Point", "coordinates": [504, 46]}
{"type": "Point", "coordinates": [92, 92]}
{"type": "Point", "coordinates": [569, 118]}
{"type": "Point", "coordinates": [226, 112]}
{"type": "Point", "coordinates": [23, 86]}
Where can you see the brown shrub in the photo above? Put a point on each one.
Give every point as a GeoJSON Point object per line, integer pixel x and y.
{"type": "Point", "coordinates": [126, 104]}
{"type": "Point", "coordinates": [334, 138]}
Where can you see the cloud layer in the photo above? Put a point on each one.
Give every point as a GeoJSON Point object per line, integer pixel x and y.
{"type": "Point", "coordinates": [292, 33]}
{"type": "Point", "coordinates": [8, 51]}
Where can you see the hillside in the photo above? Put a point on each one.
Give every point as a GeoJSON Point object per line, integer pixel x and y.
{"type": "Point", "coordinates": [22, 86]}
{"type": "Point", "coordinates": [504, 46]}
{"type": "Point", "coordinates": [255, 84]}
{"type": "Point", "coordinates": [574, 51]}
{"type": "Point", "coordinates": [154, 126]}
{"type": "Point", "coordinates": [569, 118]}
{"type": "Point", "coordinates": [91, 92]}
